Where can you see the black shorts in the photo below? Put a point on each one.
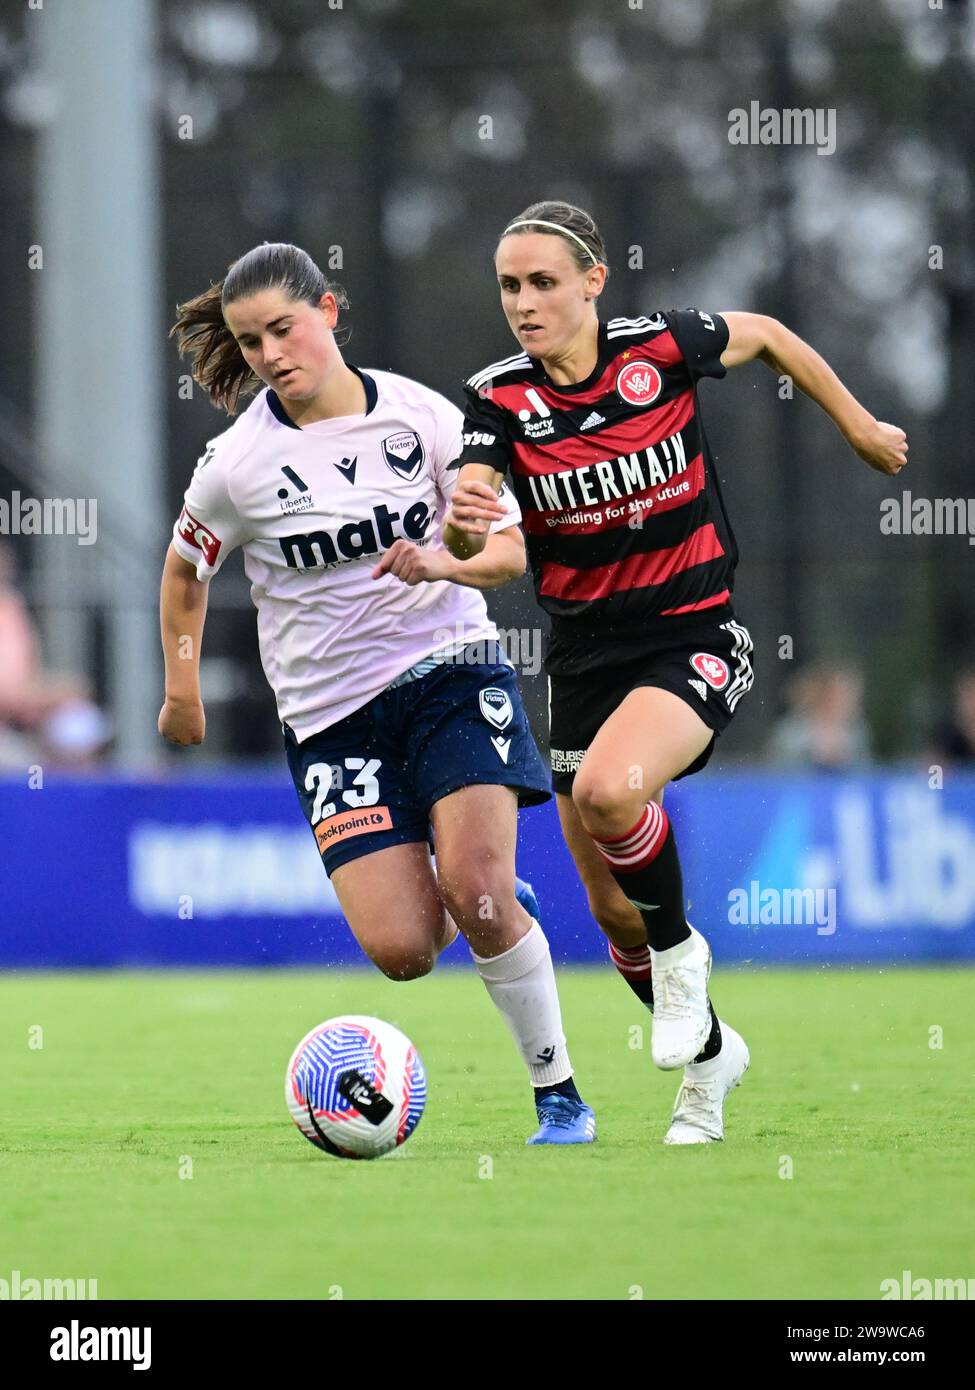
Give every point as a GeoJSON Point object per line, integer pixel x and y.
{"type": "Point", "coordinates": [710, 669]}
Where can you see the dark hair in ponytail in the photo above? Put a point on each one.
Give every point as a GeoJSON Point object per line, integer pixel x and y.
{"type": "Point", "coordinates": [201, 330]}
{"type": "Point", "coordinates": [573, 220]}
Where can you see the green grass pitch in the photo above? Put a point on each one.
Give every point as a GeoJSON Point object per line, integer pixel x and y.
{"type": "Point", "coordinates": [139, 1070]}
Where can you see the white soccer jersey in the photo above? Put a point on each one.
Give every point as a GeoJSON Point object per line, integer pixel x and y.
{"type": "Point", "coordinates": [314, 508]}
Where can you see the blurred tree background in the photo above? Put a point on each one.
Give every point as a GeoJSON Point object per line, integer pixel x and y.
{"type": "Point", "coordinates": [358, 131]}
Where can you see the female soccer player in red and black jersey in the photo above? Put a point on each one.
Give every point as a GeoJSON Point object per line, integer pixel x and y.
{"type": "Point", "coordinates": [633, 557]}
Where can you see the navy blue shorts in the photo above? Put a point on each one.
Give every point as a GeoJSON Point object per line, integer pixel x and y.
{"type": "Point", "coordinates": [370, 780]}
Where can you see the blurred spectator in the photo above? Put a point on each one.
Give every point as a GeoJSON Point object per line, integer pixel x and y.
{"type": "Point", "coordinates": [44, 716]}
{"type": "Point", "coordinates": [954, 739]}
{"type": "Point", "coordinates": [825, 726]}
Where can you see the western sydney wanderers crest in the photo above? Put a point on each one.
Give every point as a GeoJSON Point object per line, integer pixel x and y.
{"type": "Point", "coordinates": [712, 668]}
{"type": "Point", "coordinates": [403, 453]}
{"type": "Point", "coordinates": [639, 383]}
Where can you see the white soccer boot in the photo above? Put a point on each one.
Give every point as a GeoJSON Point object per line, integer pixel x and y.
{"type": "Point", "coordinates": [699, 1109]}
{"type": "Point", "coordinates": [681, 1018]}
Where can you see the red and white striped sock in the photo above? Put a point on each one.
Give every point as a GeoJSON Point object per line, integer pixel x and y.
{"type": "Point", "coordinates": [639, 847]}
{"type": "Point", "coordinates": [645, 865]}
{"type": "Point", "coordinates": [633, 963]}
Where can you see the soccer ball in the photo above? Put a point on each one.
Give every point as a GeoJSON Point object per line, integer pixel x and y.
{"type": "Point", "coordinates": [356, 1087]}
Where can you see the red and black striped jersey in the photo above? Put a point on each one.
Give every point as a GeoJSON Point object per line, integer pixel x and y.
{"type": "Point", "coordinates": [626, 530]}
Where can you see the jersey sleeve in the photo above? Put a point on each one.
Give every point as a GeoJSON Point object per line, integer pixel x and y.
{"type": "Point", "coordinates": [454, 452]}
{"type": "Point", "coordinates": [208, 527]}
{"type": "Point", "coordinates": [486, 437]}
{"type": "Point", "coordinates": [702, 338]}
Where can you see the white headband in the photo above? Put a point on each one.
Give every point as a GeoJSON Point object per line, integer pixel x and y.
{"type": "Point", "coordinates": [537, 222]}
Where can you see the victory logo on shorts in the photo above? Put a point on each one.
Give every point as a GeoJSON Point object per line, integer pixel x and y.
{"type": "Point", "coordinates": [496, 706]}
{"type": "Point", "coordinates": [712, 668]}
{"type": "Point", "coordinates": [403, 453]}
{"type": "Point", "coordinates": [639, 383]}
{"type": "Point", "coordinates": [497, 710]}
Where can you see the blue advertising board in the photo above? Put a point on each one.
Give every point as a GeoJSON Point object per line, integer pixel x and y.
{"type": "Point", "coordinates": [223, 870]}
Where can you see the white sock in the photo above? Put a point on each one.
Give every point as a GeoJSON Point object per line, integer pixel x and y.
{"type": "Point", "coordinates": [521, 982]}
{"type": "Point", "coordinates": [675, 954]}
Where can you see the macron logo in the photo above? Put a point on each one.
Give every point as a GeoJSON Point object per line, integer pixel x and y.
{"type": "Point", "coordinates": [502, 747]}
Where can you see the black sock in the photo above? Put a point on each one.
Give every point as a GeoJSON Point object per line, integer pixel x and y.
{"type": "Point", "coordinates": [643, 989]}
{"type": "Point", "coordinates": [713, 1045]}
{"type": "Point", "coordinates": [565, 1088]}
{"type": "Point", "coordinates": [644, 863]}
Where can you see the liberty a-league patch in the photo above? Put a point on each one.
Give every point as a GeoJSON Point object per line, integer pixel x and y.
{"type": "Point", "coordinates": [404, 454]}
{"type": "Point", "coordinates": [496, 706]}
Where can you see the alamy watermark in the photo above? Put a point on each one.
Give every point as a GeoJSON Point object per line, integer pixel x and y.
{"type": "Point", "coordinates": [756, 906]}
{"type": "Point", "coordinates": [764, 125]}
{"type": "Point", "coordinates": [50, 516]}
{"type": "Point", "coordinates": [923, 1290]}
{"type": "Point", "coordinates": [22, 1288]}
{"type": "Point", "coordinates": [77, 1343]}
{"type": "Point", "coordinates": [521, 646]}
{"type": "Point", "coordinates": [908, 515]}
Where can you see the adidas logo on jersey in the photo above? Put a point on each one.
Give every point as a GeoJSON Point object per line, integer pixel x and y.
{"type": "Point", "coordinates": [700, 687]}
{"type": "Point", "coordinates": [594, 419]}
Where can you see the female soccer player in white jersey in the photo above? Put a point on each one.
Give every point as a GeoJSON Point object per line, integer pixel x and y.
{"type": "Point", "coordinates": [633, 556]}
{"type": "Point", "coordinates": [399, 711]}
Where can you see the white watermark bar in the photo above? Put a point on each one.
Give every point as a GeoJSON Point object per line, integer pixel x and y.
{"type": "Point", "coordinates": [908, 515]}
{"type": "Point", "coordinates": [765, 125]}
{"type": "Point", "coordinates": [22, 1287]}
{"type": "Point", "coordinates": [521, 646]}
{"type": "Point", "coordinates": [81, 1343]}
{"type": "Point", "coordinates": [941, 1290]}
{"type": "Point", "coordinates": [756, 906]}
{"type": "Point", "coordinates": [50, 516]}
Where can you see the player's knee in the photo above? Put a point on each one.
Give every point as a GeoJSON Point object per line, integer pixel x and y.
{"type": "Point", "coordinates": [602, 802]}
{"type": "Point", "coordinates": [479, 892]}
{"type": "Point", "coordinates": [404, 965]}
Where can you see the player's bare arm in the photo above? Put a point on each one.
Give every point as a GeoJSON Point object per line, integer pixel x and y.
{"type": "Point", "coordinates": [882, 446]}
{"type": "Point", "coordinates": [501, 560]}
{"type": "Point", "coordinates": [182, 611]}
{"type": "Point", "coordinates": [473, 506]}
